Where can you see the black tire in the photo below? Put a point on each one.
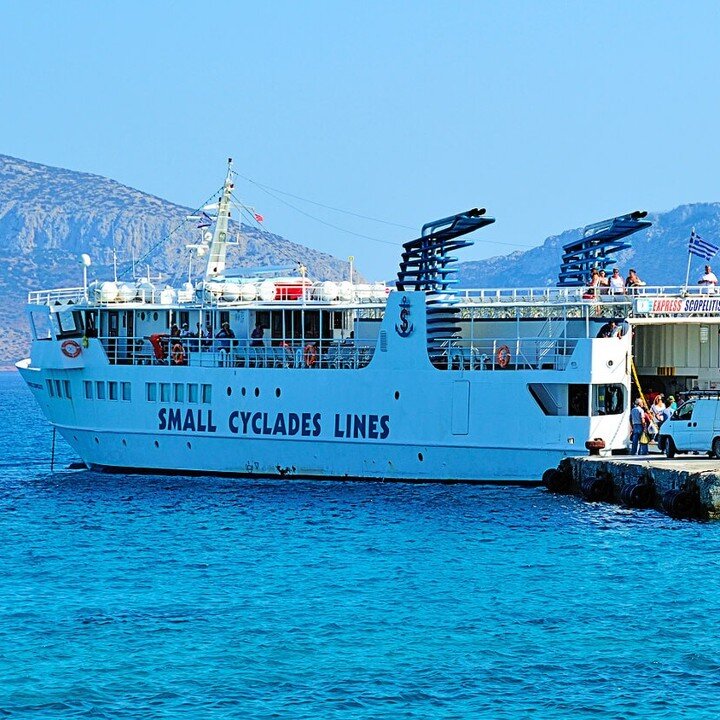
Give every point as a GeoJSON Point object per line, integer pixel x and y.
{"type": "Point", "coordinates": [716, 447]}
{"type": "Point", "coordinates": [670, 448]}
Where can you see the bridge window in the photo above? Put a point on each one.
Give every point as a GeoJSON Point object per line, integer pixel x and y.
{"type": "Point", "coordinates": [112, 390]}
{"type": "Point", "coordinates": [165, 392]}
{"type": "Point", "coordinates": [100, 390]}
{"type": "Point", "coordinates": [88, 389]}
{"type": "Point", "coordinates": [179, 392]}
{"type": "Point", "coordinates": [151, 392]}
{"type": "Point", "coordinates": [125, 390]}
{"type": "Point", "coordinates": [206, 393]}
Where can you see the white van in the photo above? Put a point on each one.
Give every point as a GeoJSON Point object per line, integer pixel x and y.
{"type": "Point", "coordinates": [694, 426]}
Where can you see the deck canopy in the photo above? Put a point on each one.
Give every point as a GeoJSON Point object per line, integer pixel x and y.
{"type": "Point", "coordinates": [597, 247]}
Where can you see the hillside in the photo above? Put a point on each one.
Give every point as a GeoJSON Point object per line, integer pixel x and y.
{"type": "Point", "coordinates": [659, 254]}
{"type": "Point", "coordinates": [49, 216]}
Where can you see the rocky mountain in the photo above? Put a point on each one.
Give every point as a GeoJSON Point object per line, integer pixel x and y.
{"type": "Point", "coordinates": [659, 254]}
{"type": "Point", "coordinates": [49, 216]}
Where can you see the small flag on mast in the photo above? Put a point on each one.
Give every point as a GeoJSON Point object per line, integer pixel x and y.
{"type": "Point", "coordinates": [701, 248]}
{"type": "Point", "coordinates": [259, 217]}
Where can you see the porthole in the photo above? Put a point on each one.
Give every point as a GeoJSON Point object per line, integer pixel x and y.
{"type": "Point", "coordinates": [97, 441]}
{"type": "Point", "coordinates": [610, 363]}
{"type": "Point", "coordinates": [189, 446]}
{"type": "Point", "coordinates": [155, 316]}
{"type": "Point", "coordinates": [157, 444]}
{"type": "Point", "coordinates": [243, 391]}
{"type": "Point", "coordinates": [420, 457]}
{"type": "Point", "coordinates": [277, 392]}
{"type": "Point", "coordinates": [124, 442]}
{"type": "Point", "coordinates": [142, 315]}
{"type": "Point", "coordinates": [75, 438]}
{"type": "Point", "coordinates": [397, 394]}
{"type": "Point", "coordinates": [257, 392]}
{"type": "Point", "coordinates": [229, 391]}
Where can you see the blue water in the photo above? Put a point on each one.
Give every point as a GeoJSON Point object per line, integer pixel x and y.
{"type": "Point", "coordinates": [159, 597]}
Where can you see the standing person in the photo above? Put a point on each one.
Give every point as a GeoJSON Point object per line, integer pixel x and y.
{"type": "Point", "coordinates": [672, 405]}
{"type": "Point", "coordinates": [637, 426]}
{"type": "Point", "coordinates": [257, 336]}
{"type": "Point", "coordinates": [709, 278]}
{"type": "Point", "coordinates": [617, 284]}
{"type": "Point", "coordinates": [658, 409]}
{"type": "Point", "coordinates": [603, 283]}
{"type": "Point", "coordinates": [632, 280]}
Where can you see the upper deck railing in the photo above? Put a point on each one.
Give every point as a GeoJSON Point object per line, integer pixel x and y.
{"type": "Point", "coordinates": [537, 296]}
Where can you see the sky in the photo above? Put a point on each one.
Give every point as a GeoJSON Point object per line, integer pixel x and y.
{"type": "Point", "coordinates": [552, 115]}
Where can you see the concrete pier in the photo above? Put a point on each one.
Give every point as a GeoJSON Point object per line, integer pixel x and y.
{"type": "Point", "coordinates": [682, 487]}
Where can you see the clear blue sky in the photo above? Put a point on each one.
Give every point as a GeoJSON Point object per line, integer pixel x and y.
{"type": "Point", "coordinates": [550, 114]}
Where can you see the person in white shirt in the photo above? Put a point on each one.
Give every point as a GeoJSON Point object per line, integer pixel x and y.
{"type": "Point", "coordinates": [709, 278]}
{"type": "Point", "coordinates": [617, 284]}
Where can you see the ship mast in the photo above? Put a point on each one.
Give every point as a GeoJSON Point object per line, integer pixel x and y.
{"type": "Point", "coordinates": [218, 244]}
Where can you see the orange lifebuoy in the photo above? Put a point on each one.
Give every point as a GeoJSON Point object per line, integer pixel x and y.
{"type": "Point", "coordinates": [70, 349]}
{"type": "Point", "coordinates": [503, 356]}
{"type": "Point", "coordinates": [178, 354]}
{"type": "Point", "coordinates": [310, 355]}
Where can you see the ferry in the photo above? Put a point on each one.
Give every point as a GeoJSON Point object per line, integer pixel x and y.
{"type": "Point", "coordinates": [259, 375]}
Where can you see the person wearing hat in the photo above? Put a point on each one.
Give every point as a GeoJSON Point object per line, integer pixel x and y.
{"type": "Point", "coordinates": [256, 336]}
{"type": "Point", "coordinates": [185, 332]}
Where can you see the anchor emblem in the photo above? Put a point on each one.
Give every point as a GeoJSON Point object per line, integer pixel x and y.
{"type": "Point", "coordinates": [405, 328]}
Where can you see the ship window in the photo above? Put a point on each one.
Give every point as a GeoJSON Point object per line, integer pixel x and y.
{"type": "Point", "coordinates": [192, 393]}
{"type": "Point", "coordinates": [88, 390]}
{"type": "Point", "coordinates": [69, 324]}
{"type": "Point", "coordinates": [100, 390]}
{"type": "Point", "coordinates": [112, 390]}
{"type": "Point", "coordinates": [66, 387]}
{"type": "Point", "coordinates": [125, 390]}
{"type": "Point", "coordinates": [206, 393]}
{"type": "Point", "coordinates": [40, 322]}
{"type": "Point", "coordinates": [50, 390]}
{"type": "Point", "coordinates": [151, 392]}
{"type": "Point", "coordinates": [179, 392]}
{"type": "Point", "coordinates": [578, 396]}
{"type": "Point", "coordinates": [165, 392]}
{"type": "Point", "coordinates": [608, 399]}
{"type": "Point", "coordinates": [58, 388]}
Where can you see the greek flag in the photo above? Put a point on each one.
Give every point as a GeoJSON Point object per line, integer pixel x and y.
{"type": "Point", "coordinates": [701, 248]}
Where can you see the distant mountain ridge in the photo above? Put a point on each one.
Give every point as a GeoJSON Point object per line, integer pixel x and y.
{"type": "Point", "coordinates": [659, 254]}
{"type": "Point", "coordinates": [49, 216]}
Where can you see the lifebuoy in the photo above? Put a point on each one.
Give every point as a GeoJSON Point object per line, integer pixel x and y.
{"type": "Point", "coordinates": [178, 354]}
{"type": "Point", "coordinates": [70, 349]}
{"type": "Point", "coordinates": [502, 356]}
{"type": "Point", "coordinates": [310, 355]}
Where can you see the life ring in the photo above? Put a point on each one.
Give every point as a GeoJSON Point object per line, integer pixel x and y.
{"type": "Point", "coordinates": [71, 349]}
{"type": "Point", "coordinates": [502, 356]}
{"type": "Point", "coordinates": [178, 354]}
{"type": "Point", "coordinates": [310, 355]}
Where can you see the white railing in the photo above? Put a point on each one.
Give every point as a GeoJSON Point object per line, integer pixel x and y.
{"type": "Point", "coordinates": [231, 352]}
{"type": "Point", "coordinates": [527, 353]}
{"type": "Point", "coordinates": [58, 296]}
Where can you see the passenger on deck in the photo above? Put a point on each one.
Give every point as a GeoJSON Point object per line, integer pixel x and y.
{"type": "Point", "coordinates": [632, 280]}
{"type": "Point", "coordinates": [709, 278]}
{"type": "Point", "coordinates": [257, 336]}
{"type": "Point", "coordinates": [225, 335]}
{"type": "Point", "coordinates": [617, 284]}
{"type": "Point", "coordinates": [604, 282]}
{"type": "Point", "coordinates": [185, 332]}
{"type": "Point", "coordinates": [608, 329]}
{"type": "Point", "coordinates": [174, 331]}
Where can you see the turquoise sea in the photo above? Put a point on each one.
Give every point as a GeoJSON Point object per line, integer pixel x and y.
{"type": "Point", "coordinates": [128, 596]}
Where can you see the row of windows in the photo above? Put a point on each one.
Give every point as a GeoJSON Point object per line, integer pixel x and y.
{"type": "Point", "coordinates": [178, 392]}
{"type": "Point", "coordinates": [100, 390]}
{"type": "Point", "coordinates": [59, 388]}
